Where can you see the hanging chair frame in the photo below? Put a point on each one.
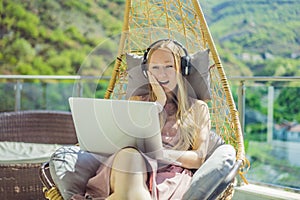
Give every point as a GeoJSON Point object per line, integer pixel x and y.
{"type": "Point", "coordinates": [216, 59]}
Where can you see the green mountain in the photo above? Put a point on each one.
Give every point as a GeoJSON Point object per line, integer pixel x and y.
{"type": "Point", "coordinates": [263, 35]}
{"type": "Point", "coordinates": [55, 37]}
{"type": "Point", "coordinates": [257, 37]}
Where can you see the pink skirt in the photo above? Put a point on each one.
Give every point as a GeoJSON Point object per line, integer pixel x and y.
{"type": "Point", "coordinates": [164, 182]}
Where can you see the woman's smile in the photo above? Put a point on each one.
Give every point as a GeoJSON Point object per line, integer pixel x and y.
{"type": "Point", "coordinates": [163, 82]}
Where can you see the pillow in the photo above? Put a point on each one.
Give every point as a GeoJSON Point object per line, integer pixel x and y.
{"type": "Point", "coordinates": [71, 168]}
{"type": "Point", "coordinates": [138, 84]}
{"type": "Point", "coordinates": [213, 143]}
{"type": "Point", "coordinates": [198, 81]}
{"type": "Point", "coordinates": [23, 152]}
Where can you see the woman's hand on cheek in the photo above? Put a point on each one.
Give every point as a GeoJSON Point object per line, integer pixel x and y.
{"type": "Point", "coordinates": [157, 89]}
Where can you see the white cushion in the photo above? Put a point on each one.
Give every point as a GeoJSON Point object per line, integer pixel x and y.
{"type": "Point", "coordinates": [21, 152]}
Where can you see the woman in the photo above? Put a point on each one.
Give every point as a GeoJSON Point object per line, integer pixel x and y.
{"type": "Point", "coordinates": [186, 135]}
{"type": "Point", "coordinates": [179, 130]}
{"type": "Point", "coordinates": [200, 161]}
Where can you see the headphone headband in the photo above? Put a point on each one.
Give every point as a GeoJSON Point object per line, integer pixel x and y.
{"type": "Point", "coordinates": [165, 40]}
{"type": "Point", "coordinates": [185, 60]}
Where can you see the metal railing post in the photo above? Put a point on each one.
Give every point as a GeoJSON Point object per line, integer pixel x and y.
{"type": "Point", "coordinates": [18, 88]}
{"type": "Point", "coordinates": [241, 104]}
{"type": "Point", "coordinates": [270, 114]}
{"type": "Point", "coordinates": [80, 88]}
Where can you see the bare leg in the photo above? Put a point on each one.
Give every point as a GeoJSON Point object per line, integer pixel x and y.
{"type": "Point", "coordinates": [128, 176]}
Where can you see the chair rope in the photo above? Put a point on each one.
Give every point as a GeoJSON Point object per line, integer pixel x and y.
{"type": "Point", "coordinates": [52, 193]}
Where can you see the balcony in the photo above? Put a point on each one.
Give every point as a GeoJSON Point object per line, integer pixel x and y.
{"type": "Point", "coordinates": [272, 145]}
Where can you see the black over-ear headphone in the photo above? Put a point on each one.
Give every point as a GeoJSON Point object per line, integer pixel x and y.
{"type": "Point", "coordinates": [184, 64]}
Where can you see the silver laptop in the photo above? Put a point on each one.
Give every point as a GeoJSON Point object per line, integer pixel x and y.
{"type": "Point", "coordinates": [104, 126]}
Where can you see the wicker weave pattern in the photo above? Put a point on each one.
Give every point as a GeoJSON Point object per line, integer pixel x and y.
{"type": "Point", "coordinates": [48, 127]}
{"type": "Point", "coordinates": [149, 20]}
{"type": "Point", "coordinates": [21, 181]}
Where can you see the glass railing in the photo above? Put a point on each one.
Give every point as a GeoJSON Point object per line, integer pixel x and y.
{"type": "Point", "coordinates": [268, 108]}
{"type": "Point", "coordinates": [270, 118]}
{"type": "Point", "coordinates": [21, 92]}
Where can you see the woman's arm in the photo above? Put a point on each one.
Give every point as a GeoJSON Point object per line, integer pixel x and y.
{"type": "Point", "coordinates": [187, 159]}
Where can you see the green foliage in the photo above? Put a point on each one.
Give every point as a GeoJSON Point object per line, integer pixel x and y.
{"type": "Point", "coordinates": [75, 34]}
{"type": "Point", "coordinates": [57, 94]}
{"type": "Point", "coordinates": [54, 37]}
{"type": "Point", "coordinates": [255, 28]}
{"type": "Point", "coordinates": [25, 68]}
{"type": "Point", "coordinates": [19, 50]}
{"type": "Point", "coordinates": [82, 6]}
{"type": "Point", "coordinates": [30, 30]}
{"type": "Point", "coordinates": [23, 21]}
{"type": "Point", "coordinates": [290, 112]}
{"type": "Point", "coordinates": [111, 25]}
{"type": "Point", "coordinates": [101, 88]}
{"type": "Point", "coordinates": [254, 99]}
{"type": "Point", "coordinates": [278, 67]}
{"type": "Point", "coordinates": [42, 67]}
{"type": "Point", "coordinates": [7, 94]}
{"type": "Point", "coordinates": [58, 36]}
{"type": "Point", "coordinates": [256, 132]}
{"type": "Point", "coordinates": [14, 10]}
{"type": "Point", "coordinates": [237, 27]}
{"type": "Point", "coordinates": [32, 96]}
{"type": "Point", "coordinates": [60, 62]}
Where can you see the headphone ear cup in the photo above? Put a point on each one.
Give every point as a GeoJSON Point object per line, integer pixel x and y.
{"type": "Point", "coordinates": [144, 64]}
{"type": "Point", "coordinates": [185, 65]}
{"type": "Point", "coordinates": [144, 69]}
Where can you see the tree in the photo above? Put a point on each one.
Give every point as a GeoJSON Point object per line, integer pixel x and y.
{"type": "Point", "coordinates": [286, 106]}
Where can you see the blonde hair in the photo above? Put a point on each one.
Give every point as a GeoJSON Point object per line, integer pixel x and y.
{"type": "Point", "coordinates": [187, 130]}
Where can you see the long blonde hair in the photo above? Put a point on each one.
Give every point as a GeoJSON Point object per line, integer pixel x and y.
{"type": "Point", "coordinates": [187, 130]}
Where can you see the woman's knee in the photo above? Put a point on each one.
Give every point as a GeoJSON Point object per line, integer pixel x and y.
{"type": "Point", "coordinates": [129, 160]}
{"type": "Point", "coordinates": [128, 174]}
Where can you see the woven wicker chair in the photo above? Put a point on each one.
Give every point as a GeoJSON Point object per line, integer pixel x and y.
{"type": "Point", "coordinates": [146, 21]}
{"type": "Point", "coordinates": [21, 180]}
